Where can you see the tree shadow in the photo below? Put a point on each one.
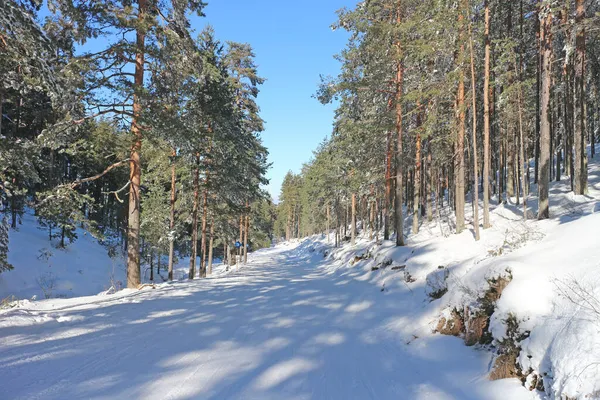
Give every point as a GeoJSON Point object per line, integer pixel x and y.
{"type": "Point", "coordinates": [287, 328]}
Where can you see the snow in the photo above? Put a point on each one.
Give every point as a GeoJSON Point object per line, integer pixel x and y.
{"type": "Point", "coordinates": [82, 268]}
{"type": "Point", "coordinates": [298, 324]}
{"type": "Point", "coordinates": [284, 326]}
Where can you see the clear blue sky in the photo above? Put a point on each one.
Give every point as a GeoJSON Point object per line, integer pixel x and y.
{"type": "Point", "coordinates": [293, 43]}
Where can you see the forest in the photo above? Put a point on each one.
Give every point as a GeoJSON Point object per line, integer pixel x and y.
{"type": "Point", "coordinates": [440, 242]}
{"type": "Point", "coordinates": [445, 103]}
{"type": "Point", "coordinates": [119, 118]}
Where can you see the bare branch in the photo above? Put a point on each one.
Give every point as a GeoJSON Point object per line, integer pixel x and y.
{"type": "Point", "coordinates": [79, 182]}
{"type": "Point", "coordinates": [116, 192]}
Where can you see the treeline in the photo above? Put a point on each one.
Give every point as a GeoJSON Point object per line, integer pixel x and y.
{"type": "Point", "coordinates": [442, 101]}
{"type": "Point", "coordinates": [117, 118]}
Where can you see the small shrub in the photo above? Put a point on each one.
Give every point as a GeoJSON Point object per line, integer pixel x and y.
{"type": "Point", "coordinates": [8, 302]}
{"type": "Point", "coordinates": [47, 282]}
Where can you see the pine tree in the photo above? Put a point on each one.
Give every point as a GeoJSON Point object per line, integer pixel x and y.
{"type": "Point", "coordinates": [106, 72]}
{"type": "Point", "coordinates": [4, 228]}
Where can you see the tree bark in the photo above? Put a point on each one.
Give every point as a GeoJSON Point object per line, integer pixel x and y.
{"type": "Point", "coordinates": [399, 151]}
{"type": "Point", "coordinates": [172, 215]}
{"type": "Point", "coordinates": [328, 221]}
{"type": "Point", "coordinates": [429, 199]}
{"type": "Point", "coordinates": [135, 172]}
{"type": "Point", "coordinates": [459, 160]}
{"type": "Point", "coordinates": [353, 222]}
{"type": "Point", "coordinates": [388, 185]}
{"type": "Point", "coordinates": [210, 247]}
{"type": "Point", "coordinates": [544, 174]}
{"type": "Point", "coordinates": [194, 252]}
{"type": "Point", "coordinates": [151, 266]}
{"type": "Point", "coordinates": [417, 177]}
{"type": "Point", "coordinates": [486, 122]}
{"type": "Point", "coordinates": [474, 139]}
{"type": "Point", "coordinates": [204, 223]}
{"type": "Point", "coordinates": [1, 105]}
{"type": "Point", "coordinates": [524, 162]}
{"type": "Point", "coordinates": [247, 228]}
{"type": "Point", "coordinates": [580, 173]}
{"type": "Point", "coordinates": [242, 232]}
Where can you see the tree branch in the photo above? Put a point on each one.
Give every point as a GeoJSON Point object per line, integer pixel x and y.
{"type": "Point", "coordinates": [79, 182]}
{"type": "Point", "coordinates": [116, 192]}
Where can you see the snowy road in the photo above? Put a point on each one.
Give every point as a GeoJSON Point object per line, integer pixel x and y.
{"type": "Point", "coordinates": [282, 328]}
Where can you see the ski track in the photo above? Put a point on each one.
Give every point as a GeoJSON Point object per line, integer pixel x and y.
{"type": "Point", "coordinates": [280, 328]}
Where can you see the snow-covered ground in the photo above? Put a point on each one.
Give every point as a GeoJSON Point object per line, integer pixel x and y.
{"type": "Point", "coordinates": [284, 327]}
{"type": "Point", "coordinates": [82, 268]}
{"type": "Point", "coordinates": [43, 270]}
{"type": "Point", "coordinates": [305, 321]}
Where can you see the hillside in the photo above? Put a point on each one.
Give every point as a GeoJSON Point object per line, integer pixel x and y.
{"type": "Point", "coordinates": [82, 268]}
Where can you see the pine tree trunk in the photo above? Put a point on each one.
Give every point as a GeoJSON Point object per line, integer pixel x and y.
{"type": "Point", "coordinates": [537, 98]}
{"type": "Point", "coordinates": [242, 232]}
{"type": "Point", "coordinates": [172, 216]}
{"type": "Point", "coordinates": [593, 132]}
{"type": "Point", "coordinates": [474, 138]}
{"type": "Point", "coordinates": [495, 137]}
{"type": "Point", "coordinates": [364, 211]}
{"type": "Point", "coordinates": [194, 252]}
{"type": "Point", "coordinates": [524, 162]}
{"type": "Point", "coordinates": [1, 109]}
{"type": "Point", "coordinates": [353, 227]}
{"type": "Point", "coordinates": [510, 165]}
{"type": "Point", "coordinates": [210, 247]}
{"type": "Point", "coordinates": [429, 199]}
{"type": "Point", "coordinates": [247, 228]}
{"type": "Point", "coordinates": [204, 224]}
{"type": "Point", "coordinates": [510, 131]}
{"type": "Point", "coordinates": [378, 219]}
{"type": "Point", "coordinates": [417, 178]}
{"type": "Point", "coordinates": [544, 174]}
{"type": "Point", "coordinates": [346, 220]}
{"type": "Point", "coordinates": [580, 175]}
{"type": "Point", "coordinates": [486, 122]}
{"type": "Point", "coordinates": [388, 188]}
{"type": "Point", "coordinates": [567, 124]}
{"type": "Point", "coordinates": [558, 137]}
{"type": "Point", "coordinates": [585, 159]}
{"type": "Point", "coordinates": [407, 189]}
{"type": "Point", "coordinates": [372, 220]}
{"type": "Point", "coordinates": [399, 150]}
{"type": "Point", "coordinates": [151, 266]}
{"type": "Point", "coordinates": [288, 227]}
{"type": "Point", "coordinates": [459, 159]}
{"type": "Point", "coordinates": [551, 119]}
{"type": "Point", "coordinates": [328, 222]}
{"type": "Point", "coordinates": [135, 172]}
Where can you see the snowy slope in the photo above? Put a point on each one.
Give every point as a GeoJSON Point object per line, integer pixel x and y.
{"type": "Point", "coordinates": [82, 268]}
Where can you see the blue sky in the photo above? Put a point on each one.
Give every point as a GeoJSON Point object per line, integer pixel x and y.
{"type": "Point", "coordinates": [293, 43]}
